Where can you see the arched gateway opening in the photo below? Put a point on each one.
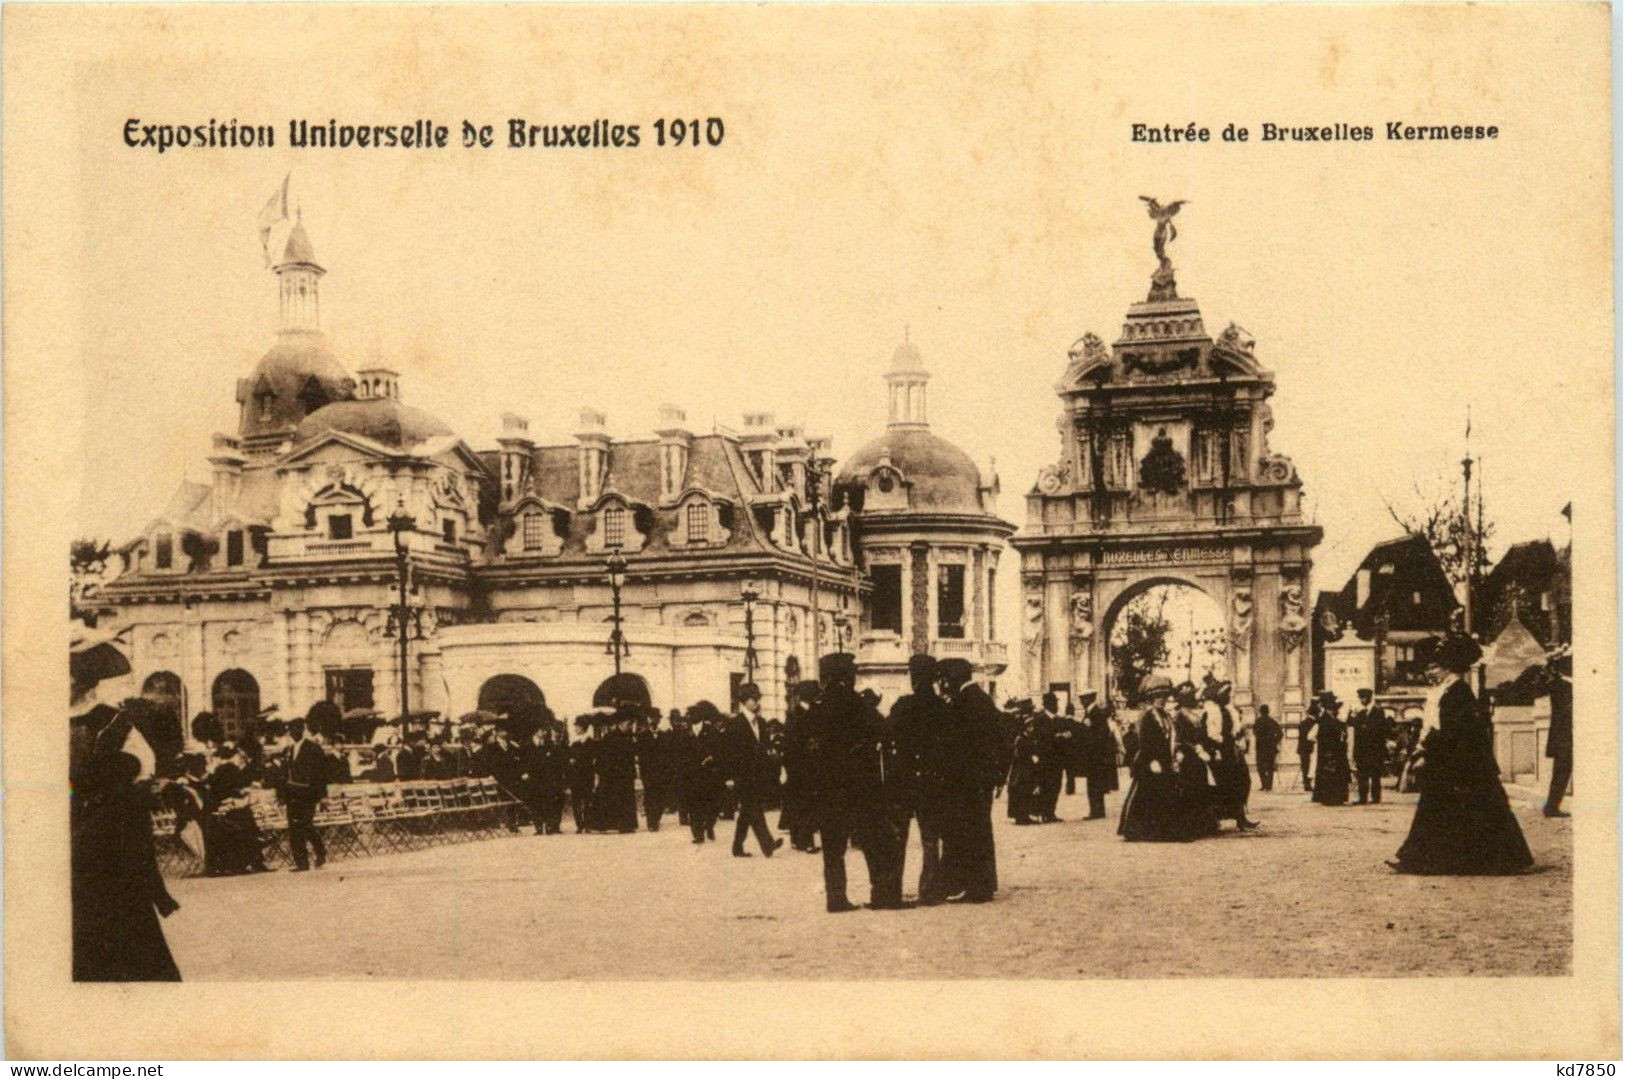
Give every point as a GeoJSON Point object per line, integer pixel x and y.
{"type": "Point", "coordinates": [1163, 626]}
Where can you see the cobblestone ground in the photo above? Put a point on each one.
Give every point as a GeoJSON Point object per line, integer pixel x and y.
{"type": "Point", "coordinates": [1306, 896]}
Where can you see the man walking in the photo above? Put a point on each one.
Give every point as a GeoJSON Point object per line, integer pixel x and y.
{"type": "Point", "coordinates": [1371, 729]}
{"type": "Point", "coordinates": [751, 771]}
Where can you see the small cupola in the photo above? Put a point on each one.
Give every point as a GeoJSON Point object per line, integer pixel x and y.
{"type": "Point", "coordinates": [905, 387]}
{"type": "Point", "coordinates": [378, 383]}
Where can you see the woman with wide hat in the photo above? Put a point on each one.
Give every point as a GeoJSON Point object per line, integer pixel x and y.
{"type": "Point", "coordinates": [1331, 754]}
{"type": "Point", "coordinates": [1151, 810]}
{"type": "Point", "coordinates": [1232, 782]}
{"type": "Point", "coordinates": [1463, 824]}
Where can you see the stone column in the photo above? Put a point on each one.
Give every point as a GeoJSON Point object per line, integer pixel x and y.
{"type": "Point", "coordinates": [920, 597]}
{"type": "Point", "coordinates": [1081, 633]}
{"type": "Point", "coordinates": [1057, 631]}
{"type": "Point", "coordinates": [1239, 614]}
{"type": "Point", "coordinates": [978, 594]}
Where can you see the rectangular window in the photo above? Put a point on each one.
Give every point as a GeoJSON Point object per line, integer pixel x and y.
{"type": "Point", "coordinates": [448, 530]}
{"type": "Point", "coordinates": [699, 523]}
{"type": "Point", "coordinates": [338, 526]}
{"type": "Point", "coordinates": [887, 606]}
{"type": "Point", "coordinates": [951, 601]}
{"type": "Point", "coordinates": [350, 687]}
{"type": "Point", "coordinates": [163, 555]}
{"type": "Point", "coordinates": [534, 523]}
{"type": "Point", "coordinates": [614, 526]}
{"type": "Point", "coordinates": [234, 547]}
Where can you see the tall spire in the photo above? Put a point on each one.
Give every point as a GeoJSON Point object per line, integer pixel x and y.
{"type": "Point", "coordinates": [905, 386]}
{"type": "Point", "coordinates": [297, 276]}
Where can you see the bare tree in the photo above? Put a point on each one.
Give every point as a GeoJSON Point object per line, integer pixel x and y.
{"type": "Point", "coordinates": [1459, 543]}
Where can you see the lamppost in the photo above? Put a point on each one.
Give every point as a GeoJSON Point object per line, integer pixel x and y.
{"type": "Point", "coordinates": [750, 595]}
{"type": "Point", "coordinates": [402, 618]}
{"type": "Point", "coordinates": [815, 495]}
{"type": "Point", "coordinates": [616, 564]}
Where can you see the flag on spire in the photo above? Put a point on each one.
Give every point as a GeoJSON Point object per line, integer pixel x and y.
{"type": "Point", "coordinates": [276, 209]}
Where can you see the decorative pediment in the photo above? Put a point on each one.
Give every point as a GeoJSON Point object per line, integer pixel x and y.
{"type": "Point", "coordinates": [1089, 361]}
{"type": "Point", "coordinates": [332, 485]}
{"type": "Point", "coordinates": [1233, 352]}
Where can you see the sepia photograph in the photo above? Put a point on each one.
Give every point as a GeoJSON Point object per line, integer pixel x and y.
{"type": "Point", "coordinates": [1007, 503]}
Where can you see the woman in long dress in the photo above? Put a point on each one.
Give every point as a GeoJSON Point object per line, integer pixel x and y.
{"type": "Point", "coordinates": [1463, 823]}
{"type": "Point", "coordinates": [117, 891]}
{"type": "Point", "coordinates": [1331, 754]}
{"type": "Point", "coordinates": [1151, 809]}
{"type": "Point", "coordinates": [1232, 782]}
{"type": "Point", "coordinates": [1193, 753]}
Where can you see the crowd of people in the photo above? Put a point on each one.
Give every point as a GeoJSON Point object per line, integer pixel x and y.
{"type": "Point", "coordinates": [842, 776]}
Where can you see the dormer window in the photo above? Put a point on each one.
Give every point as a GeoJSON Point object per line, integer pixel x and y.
{"type": "Point", "coordinates": [698, 519]}
{"type": "Point", "coordinates": [339, 526]}
{"type": "Point", "coordinates": [234, 547]}
{"type": "Point", "coordinates": [265, 403]}
{"type": "Point", "coordinates": [615, 526]}
{"type": "Point", "coordinates": [163, 554]}
{"type": "Point", "coordinates": [533, 528]}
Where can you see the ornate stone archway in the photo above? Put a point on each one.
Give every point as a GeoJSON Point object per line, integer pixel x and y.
{"type": "Point", "coordinates": [1166, 472]}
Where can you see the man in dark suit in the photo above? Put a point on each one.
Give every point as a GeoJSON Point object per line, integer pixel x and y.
{"type": "Point", "coordinates": [1371, 727]}
{"type": "Point", "coordinates": [499, 758]}
{"type": "Point", "coordinates": [303, 790]}
{"type": "Point", "coordinates": [1267, 737]}
{"type": "Point", "coordinates": [916, 742]}
{"type": "Point", "coordinates": [1306, 743]}
{"type": "Point", "coordinates": [843, 738]}
{"type": "Point", "coordinates": [751, 769]}
{"type": "Point", "coordinates": [1560, 737]}
{"type": "Point", "coordinates": [970, 864]}
{"type": "Point", "coordinates": [1053, 741]}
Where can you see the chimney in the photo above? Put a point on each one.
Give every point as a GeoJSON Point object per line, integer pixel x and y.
{"type": "Point", "coordinates": [674, 445]}
{"type": "Point", "coordinates": [516, 448]}
{"type": "Point", "coordinates": [757, 440]}
{"type": "Point", "coordinates": [593, 454]}
{"type": "Point", "coordinates": [228, 462]}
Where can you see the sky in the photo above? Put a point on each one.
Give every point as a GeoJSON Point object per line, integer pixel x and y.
{"type": "Point", "coordinates": [966, 174]}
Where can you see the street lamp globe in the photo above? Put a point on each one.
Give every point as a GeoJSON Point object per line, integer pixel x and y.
{"type": "Point", "coordinates": [616, 564]}
{"type": "Point", "coordinates": [400, 523]}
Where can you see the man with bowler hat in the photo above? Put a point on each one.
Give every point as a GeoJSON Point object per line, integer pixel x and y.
{"type": "Point", "coordinates": [844, 751]}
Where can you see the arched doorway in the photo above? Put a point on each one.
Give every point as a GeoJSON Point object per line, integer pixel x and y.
{"type": "Point", "coordinates": [168, 693]}
{"type": "Point", "coordinates": [511, 695]}
{"type": "Point", "coordinates": [1164, 626]}
{"type": "Point", "coordinates": [236, 700]}
{"type": "Point", "coordinates": [623, 688]}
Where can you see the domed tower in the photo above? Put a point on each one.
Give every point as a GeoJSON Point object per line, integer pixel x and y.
{"type": "Point", "coordinates": [300, 374]}
{"type": "Point", "coordinates": [927, 533]}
